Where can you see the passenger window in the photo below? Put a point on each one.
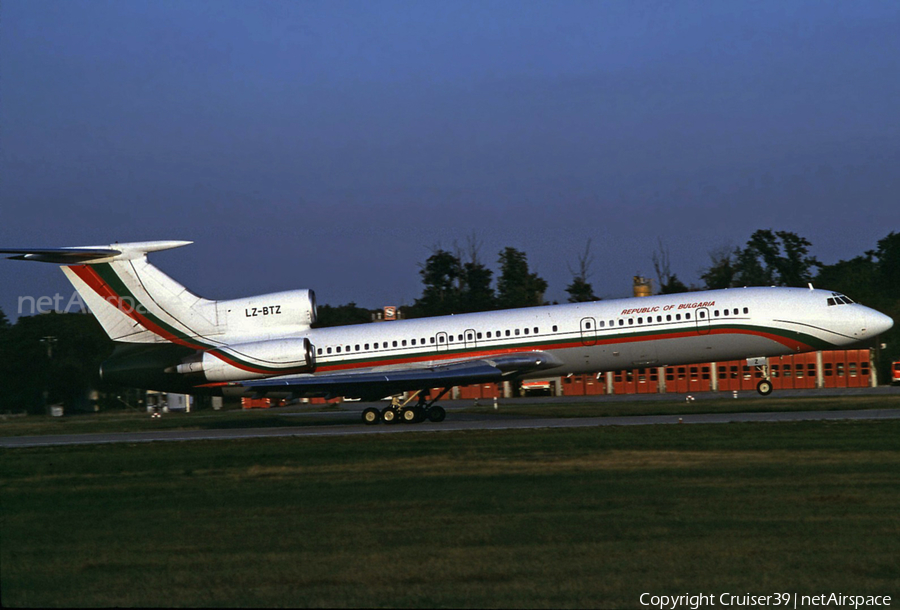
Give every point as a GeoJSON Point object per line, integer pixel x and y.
{"type": "Point", "coordinates": [746, 310]}
{"type": "Point", "coordinates": [329, 350]}
{"type": "Point", "coordinates": [687, 316]}
{"type": "Point", "coordinates": [356, 347]}
{"type": "Point", "coordinates": [621, 322]}
{"type": "Point", "coordinates": [640, 320]}
{"type": "Point", "coordinates": [555, 328]}
{"type": "Point", "coordinates": [725, 312]}
{"type": "Point", "coordinates": [630, 320]}
{"type": "Point", "coordinates": [413, 342]}
{"type": "Point", "coordinates": [668, 317]}
{"type": "Point", "coordinates": [432, 340]}
{"type": "Point", "coordinates": [319, 351]}
{"type": "Point", "coordinates": [526, 331]}
{"type": "Point", "coordinates": [677, 316]}
{"type": "Point", "coordinates": [536, 331]}
{"type": "Point", "coordinates": [507, 333]}
{"type": "Point", "coordinates": [395, 344]}
{"type": "Point", "coordinates": [587, 325]}
{"type": "Point", "coordinates": [735, 311]}
{"type": "Point", "coordinates": [460, 338]}
{"type": "Point", "coordinates": [602, 323]}
{"type": "Point", "coordinates": [367, 347]}
{"type": "Point", "coordinates": [339, 349]}
{"type": "Point", "coordinates": [441, 339]}
{"type": "Point", "coordinates": [703, 314]}
{"type": "Point", "coordinates": [517, 332]}
{"type": "Point", "coordinates": [478, 336]}
{"type": "Point", "coordinates": [403, 343]}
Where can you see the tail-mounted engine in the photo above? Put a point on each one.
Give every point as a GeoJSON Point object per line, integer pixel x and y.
{"type": "Point", "coordinates": [252, 360]}
{"type": "Point", "coordinates": [267, 315]}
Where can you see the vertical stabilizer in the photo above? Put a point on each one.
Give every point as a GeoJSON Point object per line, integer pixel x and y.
{"type": "Point", "coordinates": [133, 300]}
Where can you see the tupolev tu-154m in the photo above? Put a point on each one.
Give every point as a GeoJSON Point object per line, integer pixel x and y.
{"type": "Point", "coordinates": [172, 340]}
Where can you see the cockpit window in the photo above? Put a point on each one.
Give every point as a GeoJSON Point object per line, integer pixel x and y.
{"type": "Point", "coordinates": [839, 299]}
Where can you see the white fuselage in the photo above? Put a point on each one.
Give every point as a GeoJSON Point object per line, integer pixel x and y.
{"type": "Point", "coordinates": [612, 335]}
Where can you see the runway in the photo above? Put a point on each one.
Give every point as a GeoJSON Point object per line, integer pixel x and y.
{"type": "Point", "coordinates": [454, 422]}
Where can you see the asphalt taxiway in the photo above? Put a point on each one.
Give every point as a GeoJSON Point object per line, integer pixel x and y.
{"type": "Point", "coordinates": [454, 422]}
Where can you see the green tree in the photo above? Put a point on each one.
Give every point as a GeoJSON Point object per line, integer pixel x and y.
{"type": "Point", "coordinates": [341, 315]}
{"type": "Point", "coordinates": [580, 290]}
{"type": "Point", "coordinates": [53, 353]}
{"type": "Point", "coordinates": [4, 321]}
{"type": "Point", "coordinates": [770, 258]}
{"type": "Point", "coordinates": [476, 293]}
{"type": "Point", "coordinates": [475, 290]}
{"type": "Point", "coordinates": [517, 285]}
{"type": "Point", "coordinates": [721, 273]}
{"type": "Point", "coordinates": [440, 275]}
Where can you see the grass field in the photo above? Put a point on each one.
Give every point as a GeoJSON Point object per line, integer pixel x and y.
{"type": "Point", "coordinates": [544, 518]}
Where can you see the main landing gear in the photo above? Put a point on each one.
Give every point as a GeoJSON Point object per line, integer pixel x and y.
{"type": "Point", "coordinates": [400, 412]}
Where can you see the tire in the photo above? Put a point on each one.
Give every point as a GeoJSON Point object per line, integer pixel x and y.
{"type": "Point", "coordinates": [389, 415]}
{"type": "Point", "coordinates": [436, 414]}
{"type": "Point", "coordinates": [408, 416]}
{"type": "Point", "coordinates": [371, 416]}
{"type": "Point", "coordinates": [764, 387]}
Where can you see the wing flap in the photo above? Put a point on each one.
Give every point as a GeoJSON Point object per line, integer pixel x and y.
{"type": "Point", "coordinates": [372, 385]}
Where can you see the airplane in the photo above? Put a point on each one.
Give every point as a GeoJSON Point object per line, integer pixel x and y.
{"type": "Point", "coordinates": [169, 339]}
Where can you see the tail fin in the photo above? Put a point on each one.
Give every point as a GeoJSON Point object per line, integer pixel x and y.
{"type": "Point", "coordinates": [133, 300]}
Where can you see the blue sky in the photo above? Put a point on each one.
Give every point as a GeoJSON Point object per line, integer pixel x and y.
{"type": "Point", "coordinates": [332, 145]}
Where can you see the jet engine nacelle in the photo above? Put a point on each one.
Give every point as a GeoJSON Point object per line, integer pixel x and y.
{"type": "Point", "coordinates": [252, 360]}
{"type": "Point", "coordinates": [267, 315]}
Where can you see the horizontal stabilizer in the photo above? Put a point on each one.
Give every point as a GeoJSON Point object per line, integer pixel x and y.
{"type": "Point", "coordinates": [88, 255]}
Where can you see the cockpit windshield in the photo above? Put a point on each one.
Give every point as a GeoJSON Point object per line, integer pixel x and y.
{"type": "Point", "coordinates": [839, 299]}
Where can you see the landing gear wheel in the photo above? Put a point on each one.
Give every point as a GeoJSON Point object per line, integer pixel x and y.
{"type": "Point", "coordinates": [371, 416]}
{"type": "Point", "coordinates": [408, 416]}
{"type": "Point", "coordinates": [436, 414]}
{"type": "Point", "coordinates": [764, 387]}
{"type": "Point", "coordinates": [389, 415]}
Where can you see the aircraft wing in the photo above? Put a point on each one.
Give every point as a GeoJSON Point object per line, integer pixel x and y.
{"type": "Point", "coordinates": [372, 385]}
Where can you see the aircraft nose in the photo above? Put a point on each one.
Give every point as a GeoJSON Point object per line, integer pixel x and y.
{"type": "Point", "coordinates": [875, 322]}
